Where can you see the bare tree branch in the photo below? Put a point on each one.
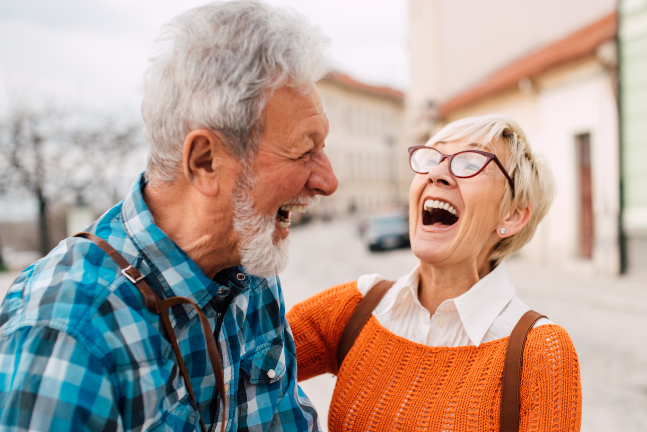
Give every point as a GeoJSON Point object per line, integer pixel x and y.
{"type": "Point", "coordinates": [58, 155]}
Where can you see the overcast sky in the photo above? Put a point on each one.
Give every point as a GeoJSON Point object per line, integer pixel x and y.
{"type": "Point", "coordinates": [93, 52]}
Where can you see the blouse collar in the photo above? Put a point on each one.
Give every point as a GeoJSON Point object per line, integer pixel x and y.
{"type": "Point", "coordinates": [477, 308]}
{"type": "Point", "coordinates": [484, 302]}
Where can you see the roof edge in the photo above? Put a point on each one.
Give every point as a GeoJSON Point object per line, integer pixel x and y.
{"type": "Point", "coordinates": [352, 84]}
{"type": "Point", "coordinates": [575, 46]}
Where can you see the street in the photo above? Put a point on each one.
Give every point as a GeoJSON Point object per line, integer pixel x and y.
{"type": "Point", "coordinates": [605, 317]}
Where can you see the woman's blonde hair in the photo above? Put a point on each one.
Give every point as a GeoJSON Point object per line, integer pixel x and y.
{"type": "Point", "coordinates": [534, 184]}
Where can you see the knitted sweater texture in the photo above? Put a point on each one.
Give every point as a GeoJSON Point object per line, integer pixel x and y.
{"type": "Point", "coordinates": [389, 383]}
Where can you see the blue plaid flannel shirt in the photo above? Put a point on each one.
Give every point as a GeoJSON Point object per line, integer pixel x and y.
{"type": "Point", "coordinates": [80, 351]}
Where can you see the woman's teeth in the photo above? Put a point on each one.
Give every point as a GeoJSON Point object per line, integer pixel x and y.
{"type": "Point", "coordinates": [432, 204]}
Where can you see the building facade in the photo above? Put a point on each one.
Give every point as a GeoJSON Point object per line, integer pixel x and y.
{"type": "Point", "coordinates": [632, 38]}
{"type": "Point", "coordinates": [364, 143]}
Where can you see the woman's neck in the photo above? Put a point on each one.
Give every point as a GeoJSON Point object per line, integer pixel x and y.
{"type": "Point", "coordinates": [438, 284]}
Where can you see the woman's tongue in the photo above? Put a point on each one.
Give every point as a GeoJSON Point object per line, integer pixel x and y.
{"type": "Point", "coordinates": [438, 217]}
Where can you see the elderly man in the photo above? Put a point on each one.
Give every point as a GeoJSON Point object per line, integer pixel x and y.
{"type": "Point", "coordinates": [236, 131]}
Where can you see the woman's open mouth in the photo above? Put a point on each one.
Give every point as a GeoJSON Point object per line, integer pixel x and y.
{"type": "Point", "coordinates": [439, 213]}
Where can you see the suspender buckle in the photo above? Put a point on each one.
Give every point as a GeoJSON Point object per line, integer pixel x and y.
{"type": "Point", "coordinates": [135, 277]}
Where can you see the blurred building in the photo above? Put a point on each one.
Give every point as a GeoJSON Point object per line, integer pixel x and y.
{"type": "Point", "coordinates": [633, 110]}
{"type": "Point", "coordinates": [563, 93]}
{"type": "Point", "coordinates": [364, 143]}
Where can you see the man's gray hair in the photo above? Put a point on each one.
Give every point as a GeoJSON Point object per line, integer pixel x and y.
{"type": "Point", "coordinates": [215, 67]}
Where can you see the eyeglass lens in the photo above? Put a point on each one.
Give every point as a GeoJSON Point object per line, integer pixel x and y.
{"type": "Point", "coordinates": [465, 164]}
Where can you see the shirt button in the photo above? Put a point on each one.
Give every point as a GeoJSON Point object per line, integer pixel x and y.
{"type": "Point", "coordinates": [271, 373]}
{"type": "Point", "coordinates": [440, 323]}
{"type": "Point", "coordinates": [240, 277]}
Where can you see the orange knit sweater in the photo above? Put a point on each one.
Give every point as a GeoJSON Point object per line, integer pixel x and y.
{"type": "Point", "coordinates": [390, 383]}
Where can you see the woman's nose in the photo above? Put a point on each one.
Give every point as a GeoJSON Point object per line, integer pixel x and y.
{"type": "Point", "coordinates": [440, 174]}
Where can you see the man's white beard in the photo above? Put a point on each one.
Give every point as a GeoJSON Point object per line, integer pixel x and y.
{"type": "Point", "coordinates": [260, 255]}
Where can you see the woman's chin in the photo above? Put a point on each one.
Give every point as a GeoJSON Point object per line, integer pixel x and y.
{"type": "Point", "coordinates": [430, 252]}
{"type": "Point", "coordinates": [434, 243]}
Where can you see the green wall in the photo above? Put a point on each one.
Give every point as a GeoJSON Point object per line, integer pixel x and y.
{"type": "Point", "coordinates": [632, 37]}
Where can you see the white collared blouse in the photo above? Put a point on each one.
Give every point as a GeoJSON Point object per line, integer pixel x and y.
{"type": "Point", "coordinates": [488, 311]}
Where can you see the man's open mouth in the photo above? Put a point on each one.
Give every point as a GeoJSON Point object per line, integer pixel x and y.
{"type": "Point", "coordinates": [284, 214]}
{"type": "Point", "coordinates": [439, 213]}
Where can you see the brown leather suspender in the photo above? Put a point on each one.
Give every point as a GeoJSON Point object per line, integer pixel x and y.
{"type": "Point", "coordinates": [510, 394]}
{"type": "Point", "coordinates": [161, 307]}
{"type": "Point", "coordinates": [509, 421]}
{"type": "Point", "coordinates": [358, 319]}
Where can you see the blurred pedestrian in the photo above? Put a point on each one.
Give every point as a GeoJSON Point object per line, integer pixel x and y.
{"type": "Point", "coordinates": [125, 341]}
{"type": "Point", "coordinates": [434, 350]}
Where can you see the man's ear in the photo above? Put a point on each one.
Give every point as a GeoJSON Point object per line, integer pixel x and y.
{"type": "Point", "coordinates": [204, 159]}
{"type": "Point", "coordinates": [514, 221]}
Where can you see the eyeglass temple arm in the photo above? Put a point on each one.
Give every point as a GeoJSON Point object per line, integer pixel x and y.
{"type": "Point", "coordinates": [505, 172]}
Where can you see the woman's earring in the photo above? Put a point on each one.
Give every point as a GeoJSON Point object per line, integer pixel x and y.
{"type": "Point", "coordinates": [502, 230]}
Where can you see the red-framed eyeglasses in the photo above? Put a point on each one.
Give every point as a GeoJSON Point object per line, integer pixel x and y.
{"type": "Point", "coordinates": [464, 164]}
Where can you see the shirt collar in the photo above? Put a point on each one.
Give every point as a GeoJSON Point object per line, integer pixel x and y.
{"type": "Point", "coordinates": [477, 308]}
{"type": "Point", "coordinates": [484, 302]}
{"type": "Point", "coordinates": [177, 273]}
{"type": "Point", "coordinates": [410, 287]}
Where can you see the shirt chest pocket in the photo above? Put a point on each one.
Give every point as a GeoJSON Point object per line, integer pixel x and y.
{"type": "Point", "coordinates": [265, 364]}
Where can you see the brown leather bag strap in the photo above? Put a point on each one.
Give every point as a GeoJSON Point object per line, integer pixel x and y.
{"type": "Point", "coordinates": [155, 305]}
{"type": "Point", "coordinates": [510, 394]}
{"type": "Point", "coordinates": [212, 348]}
{"type": "Point", "coordinates": [359, 317]}
{"type": "Point", "coordinates": [131, 273]}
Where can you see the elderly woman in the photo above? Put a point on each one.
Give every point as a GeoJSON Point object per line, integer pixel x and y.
{"type": "Point", "coordinates": [431, 356]}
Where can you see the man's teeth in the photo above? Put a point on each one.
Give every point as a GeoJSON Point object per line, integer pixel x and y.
{"type": "Point", "coordinates": [284, 222]}
{"type": "Point", "coordinates": [432, 204]}
{"type": "Point", "coordinates": [295, 208]}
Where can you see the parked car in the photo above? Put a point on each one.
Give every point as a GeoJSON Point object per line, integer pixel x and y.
{"type": "Point", "coordinates": [384, 232]}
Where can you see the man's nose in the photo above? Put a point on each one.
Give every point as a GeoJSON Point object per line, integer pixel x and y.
{"type": "Point", "coordinates": [322, 179]}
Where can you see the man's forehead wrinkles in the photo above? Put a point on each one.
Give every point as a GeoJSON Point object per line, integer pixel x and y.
{"type": "Point", "coordinates": [315, 123]}
{"type": "Point", "coordinates": [310, 108]}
